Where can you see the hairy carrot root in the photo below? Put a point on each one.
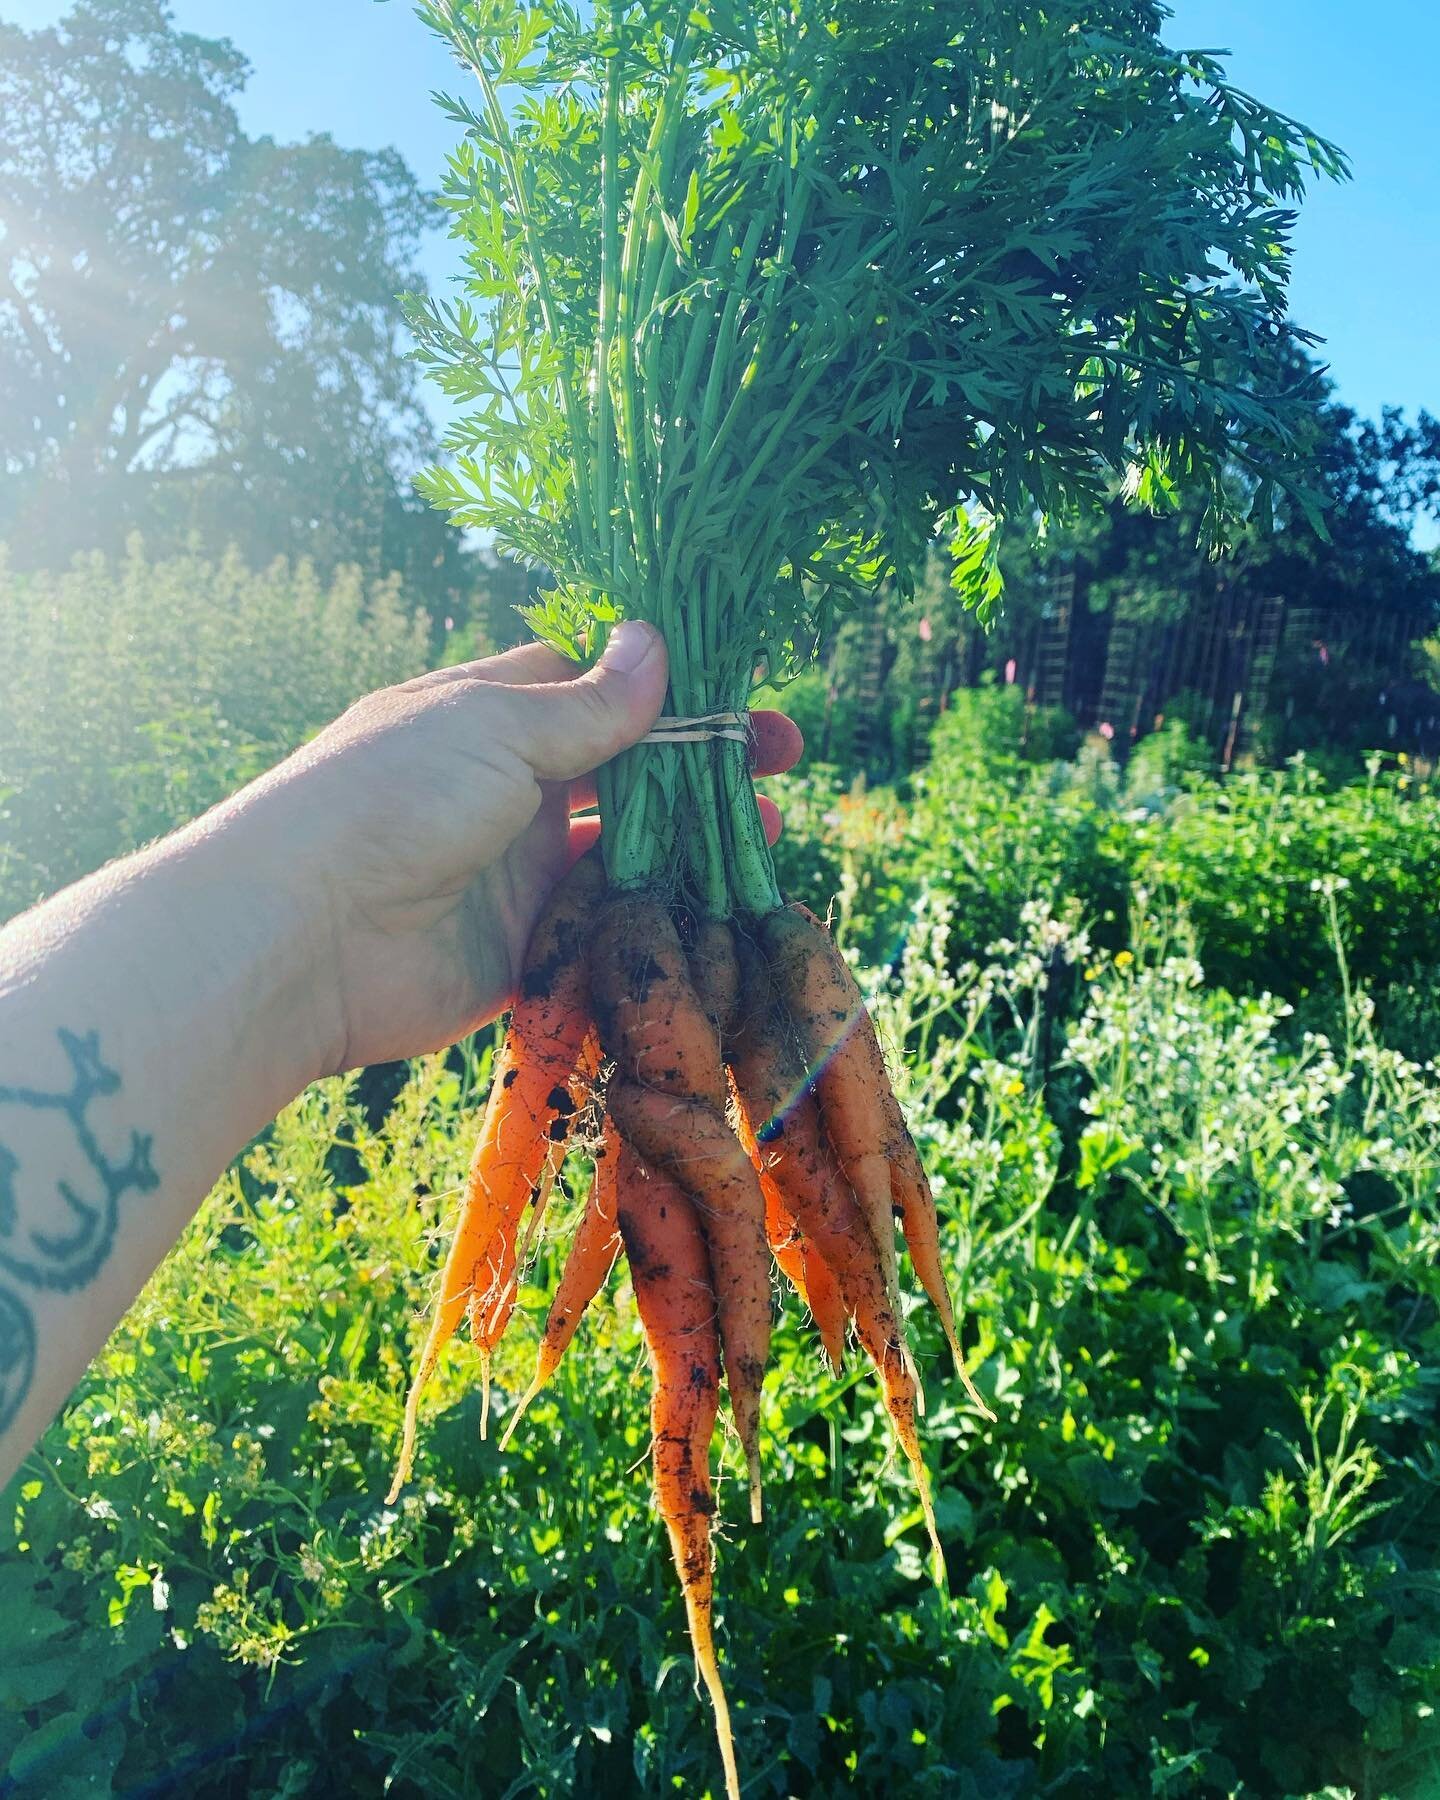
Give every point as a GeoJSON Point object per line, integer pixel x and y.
{"type": "Point", "coordinates": [860, 1110]}
{"type": "Point", "coordinates": [668, 1100]}
{"type": "Point", "coordinates": [798, 1259]}
{"type": "Point", "coordinates": [496, 1281]}
{"type": "Point", "coordinates": [670, 1271]}
{"type": "Point", "coordinates": [787, 1241]}
{"type": "Point", "coordinates": [845, 1062]}
{"type": "Point", "coordinates": [827, 1304]}
{"type": "Point", "coordinates": [785, 1118]}
{"type": "Point", "coordinates": [897, 1383]}
{"type": "Point", "coordinates": [530, 1093]}
{"type": "Point", "coordinates": [651, 1019]}
{"type": "Point", "coordinates": [696, 1147]}
{"type": "Point", "coordinates": [587, 1268]}
{"type": "Point", "coordinates": [715, 972]}
{"type": "Point", "coordinates": [918, 1220]}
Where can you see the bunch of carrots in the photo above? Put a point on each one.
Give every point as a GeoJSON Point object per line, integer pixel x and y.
{"type": "Point", "coordinates": [742, 1112]}
{"type": "Point", "coordinates": [761, 298]}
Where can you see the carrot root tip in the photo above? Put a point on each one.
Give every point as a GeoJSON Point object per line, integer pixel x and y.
{"type": "Point", "coordinates": [972, 1392]}
{"type": "Point", "coordinates": [907, 1362]}
{"type": "Point", "coordinates": [710, 1675]}
{"type": "Point", "coordinates": [977, 1399]}
{"type": "Point", "coordinates": [519, 1413]}
{"type": "Point", "coordinates": [405, 1465]}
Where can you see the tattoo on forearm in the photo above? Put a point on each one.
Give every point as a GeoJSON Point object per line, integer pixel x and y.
{"type": "Point", "coordinates": [62, 1243]}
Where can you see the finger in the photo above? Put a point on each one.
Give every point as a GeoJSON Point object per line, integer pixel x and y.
{"type": "Point", "coordinates": [527, 665]}
{"type": "Point", "coordinates": [770, 819]}
{"type": "Point", "coordinates": [565, 728]}
{"type": "Point", "coordinates": [776, 744]}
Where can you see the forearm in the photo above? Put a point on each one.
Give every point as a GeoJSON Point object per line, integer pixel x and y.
{"type": "Point", "coordinates": [152, 1020]}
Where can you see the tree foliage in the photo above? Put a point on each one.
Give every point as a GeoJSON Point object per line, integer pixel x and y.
{"type": "Point", "coordinates": [1378, 482]}
{"type": "Point", "coordinates": [198, 330]}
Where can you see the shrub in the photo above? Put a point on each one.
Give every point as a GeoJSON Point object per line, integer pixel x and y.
{"type": "Point", "coordinates": [134, 694]}
{"type": "Point", "coordinates": [995, 831]}
{"type": "Point", "coordinates": [1254, 859]}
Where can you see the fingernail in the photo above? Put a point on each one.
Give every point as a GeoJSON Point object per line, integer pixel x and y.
{"type": "Point", "coordinates": [628, 646]}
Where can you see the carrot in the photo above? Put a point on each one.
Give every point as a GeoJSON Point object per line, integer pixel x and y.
{"type": "Point", "coordinates": [861, 1113]}
{"type": "Point", "coordinates": [694, 1145]}
{"type": "Point", "coordinates": [592, 1256]}
{"type": "Point", "coordinates": [667, 1098]}
{"type": "Point", "coordinates": [876, 1330]}
{"type": "Point", "coordinates": [800, 1262]}
{"type": "Point", "coordinates": [651, 1019]}
{"type": "Point", "coordinates": [496, 1281]}
{"type": "Point", "coordinates": [715, 972]}
{"type": "Point", "coordinates": [845, 1062]}
{"type": "Point", "coordinates": [827, 1304]}
{"type": "Point", "coordinates": [529, 1096]}
{"type": "Point", "coordinates": [787, 1241]}
{"type": "Point", "coordinates": [784, 1115]}
{"type": "Point", "coordinates": [915, 1204]}
{"type": "Point", "coordinates": [670, 1271]}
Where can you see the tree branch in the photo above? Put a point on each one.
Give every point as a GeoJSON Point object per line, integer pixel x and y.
{"type": "Point", "coordinates": [29, 324]}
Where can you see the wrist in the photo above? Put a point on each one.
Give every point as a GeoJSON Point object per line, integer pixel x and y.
{"type": "Point", "coordinates": [251, 932]}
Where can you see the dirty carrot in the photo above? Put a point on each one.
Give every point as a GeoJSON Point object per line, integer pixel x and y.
{"type": "Point", "coordinates": [668, 1101]}
{"type": "Point", "coordinates": [670, 1272]}
{"type": "Point", "coordinates": [529, 1096]}
{"type": "Point", "coordinates": [587, 1268]}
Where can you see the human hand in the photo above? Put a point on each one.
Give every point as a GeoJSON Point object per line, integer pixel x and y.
{"type": "Point", "coordinates": [423, 830]}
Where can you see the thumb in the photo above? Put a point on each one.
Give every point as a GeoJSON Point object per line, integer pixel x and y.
{"type": "Point", "coordinates": [566, 728]}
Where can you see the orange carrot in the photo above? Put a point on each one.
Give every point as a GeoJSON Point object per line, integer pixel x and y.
{"type": "Point", "coordinates": [670, 1271]}
{"type": "Point", "coordinates": [694, 1145]}
{"type": "Point", "coordinates": [915, 1204]}
{"type": "Point", "coordinates": [668, 1099]}
{"type": "Point", "coordinates": [802, 1165]}
{"type": "Point", "coordinates": [800, 1262]}
{"type": "Point", "coordinates": [827, 1304]}
{"type": "Point", "coordinates": [651, 1019]}
{"type": "Point", "coordinates": [530, 1099]}
{"type": "Point", "coordinates": [860, 1110]}
{"type": "Point", "coordinates": [843, 1054]}
{"type": "Point", "coordinates": [784, 1115]}
{"type": "Point", "coordinates": [782, 1233]}
{"type": "Point", "coordinates": [587, 1268]}
{"type": "Point", "coordinates": [715, 972]}
{"type": "Point", "coordinates": [496, 1281]}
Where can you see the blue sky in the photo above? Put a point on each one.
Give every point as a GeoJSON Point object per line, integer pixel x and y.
{"type": "Point", "coordinates": [1367, 266]}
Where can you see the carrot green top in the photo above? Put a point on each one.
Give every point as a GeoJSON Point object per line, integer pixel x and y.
{"type": "Point", "coordinates": [760, 296]}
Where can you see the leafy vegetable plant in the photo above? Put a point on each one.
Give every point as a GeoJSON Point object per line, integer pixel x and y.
{"type": "Point", "coordinates": [1159, 1541]}
{"type": "Point", "coordinates": [760, 298]}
